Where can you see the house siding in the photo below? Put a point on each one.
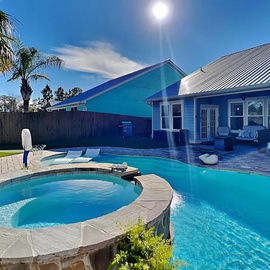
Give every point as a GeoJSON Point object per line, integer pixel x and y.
{"type": "Point", "coordinates": [188, 114]}
{"type": "Point", "coordinates": [79, 108]}
{"type": "Point", "coordinates": [156, 116]}
{"type": "Point", "coordinates": [189, 117]}
{"type": "Point", "coordinates": [128, 99]}
{"type": "Point", "coordinates": [223, 103]}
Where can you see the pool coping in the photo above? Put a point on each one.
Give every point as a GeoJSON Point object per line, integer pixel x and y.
{"type": "Point", "coordinates": [40, 245]}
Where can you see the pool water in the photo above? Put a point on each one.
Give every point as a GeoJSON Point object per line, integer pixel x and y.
{"type": "Point", "coordinates": [63, 199]}
{"type": "Point", "coordinates": [221, 219]}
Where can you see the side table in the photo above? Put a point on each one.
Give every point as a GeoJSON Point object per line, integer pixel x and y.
{"type": "Point", "coordinates": [224, 143]}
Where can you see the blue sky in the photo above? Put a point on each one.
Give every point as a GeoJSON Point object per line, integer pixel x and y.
{"type": "Point", "coordinates": [104, 39]}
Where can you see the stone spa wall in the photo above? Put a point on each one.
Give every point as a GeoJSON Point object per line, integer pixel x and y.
{"type": "Point", "coordinates": [88, 245]}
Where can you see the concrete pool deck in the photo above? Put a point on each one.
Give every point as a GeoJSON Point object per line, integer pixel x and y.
{"type": "Point", "coordinates": [243, 158]}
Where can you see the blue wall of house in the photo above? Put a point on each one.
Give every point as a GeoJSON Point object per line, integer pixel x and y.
{"type": "Point", "coordinates": [156, 116]}
{"type": "Point", "coordinates": [79, 108]}
{"type": "Point", "coordinates": [188, 117]}
{"type": "Point", "coordinates": [128, 99]}
{"type": "Point", "coordinates": [222, 102]}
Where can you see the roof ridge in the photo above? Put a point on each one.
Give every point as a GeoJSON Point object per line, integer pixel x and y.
{"type": "Point", "coordinates": [245, 50]}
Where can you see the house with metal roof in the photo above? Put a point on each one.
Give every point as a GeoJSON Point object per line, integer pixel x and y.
{"type": "Point", "coordinates": [232, 91]}
{"type": "Point", "coordinates": [125, 95]}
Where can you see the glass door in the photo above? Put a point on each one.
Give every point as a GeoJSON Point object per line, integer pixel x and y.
{"type": "Point", "coordinates": [209, 122]}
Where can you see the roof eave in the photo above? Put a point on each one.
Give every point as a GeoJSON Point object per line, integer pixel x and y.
{"type": "Point", "coordinates": [161, 99]}
{"type": "Point", "coordinates": [66, 105]}
{"type": "Point", "coordinates": [236, 90]}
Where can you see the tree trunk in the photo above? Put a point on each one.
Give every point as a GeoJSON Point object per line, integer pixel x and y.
{"type": "Point", "coordinates": [26, 105]}
{"type": "Point", "coordinates": [26, 92]}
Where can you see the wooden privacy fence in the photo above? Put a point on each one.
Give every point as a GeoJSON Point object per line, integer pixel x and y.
{"type": "Point", "coordinates": [65, 126]}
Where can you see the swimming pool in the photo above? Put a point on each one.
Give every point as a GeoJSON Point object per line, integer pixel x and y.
{"type": "Point", "coordinates": [63, 199]}
{"type": "Point", "coordinates": [220, 218]}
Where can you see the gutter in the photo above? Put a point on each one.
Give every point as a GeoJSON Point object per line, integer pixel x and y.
{"type": "Point", "coordinates": [221, 92]}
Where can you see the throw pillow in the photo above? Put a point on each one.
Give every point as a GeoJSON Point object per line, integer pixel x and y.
{"type": "Point", "coordinates": [240, 133]}
{"type": "Point", "coordinates": [246, 134]}
{"type": "Point", "coordinates": [254, 134]}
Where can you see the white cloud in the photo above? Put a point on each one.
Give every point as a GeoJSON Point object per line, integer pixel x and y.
{"type": "Point", "coordinates": [97, 57]}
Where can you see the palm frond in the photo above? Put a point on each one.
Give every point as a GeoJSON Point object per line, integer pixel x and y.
{"type": "Point", "coordinates": [6, 24]}
{"type": "Point", "coordinates": [6, 52]}
{"type": "Point", "coordinates": [48, 62]}
{"type": "Point", "coordinates": [36, 77]}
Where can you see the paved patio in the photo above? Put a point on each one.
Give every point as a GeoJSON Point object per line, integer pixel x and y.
{"type": "Point", "coordinates": [242, 158]}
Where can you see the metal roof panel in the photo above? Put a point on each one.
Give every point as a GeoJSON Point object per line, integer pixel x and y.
{"type": "Point", "coordinates": [236, 70]}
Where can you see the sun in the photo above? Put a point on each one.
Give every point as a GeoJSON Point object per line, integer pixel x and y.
{"type": "Point", "coordinates": [160, 10]}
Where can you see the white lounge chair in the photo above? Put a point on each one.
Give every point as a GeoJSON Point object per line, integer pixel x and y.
{"type": "Point", "coordinates": [70, 156]}
{"type": "Point", "coordinates": [89, 155]}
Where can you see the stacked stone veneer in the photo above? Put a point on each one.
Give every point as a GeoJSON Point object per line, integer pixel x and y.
{"type": "Point", "coordinates": [91, 244]}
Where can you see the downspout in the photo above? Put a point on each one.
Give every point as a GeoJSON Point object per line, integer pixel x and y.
{"type": "Point", "coordinates": [149, 103]}
{"type": "Point", "coordinates": [195, 117]}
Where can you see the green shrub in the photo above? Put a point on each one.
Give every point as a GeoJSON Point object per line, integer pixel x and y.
{"type": "Point", "coordinates": [140, 249]}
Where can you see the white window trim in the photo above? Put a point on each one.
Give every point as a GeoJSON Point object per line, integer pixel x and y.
{"type": "Point", "coordinates": [267, 113]}
{"type": "Point", "coordinates": [230, 102]}
{"type": "Point", "coordinates": [265, 100]}
{"type": "Point", "coordinates": [263, 111]}
{"type": "Point", "coordinates": [160, 115]}
{"type": "Point", "coordinates": [170, 114]}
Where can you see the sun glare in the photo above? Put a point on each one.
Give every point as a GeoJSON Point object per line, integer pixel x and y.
{"type": "Point", "coordinates": [160, 10]}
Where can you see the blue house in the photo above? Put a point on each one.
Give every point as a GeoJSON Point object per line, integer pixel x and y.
{"type": "Point", "coordinates": [125, 95]}
{"type": "Point", "coordinates": [233, 91]}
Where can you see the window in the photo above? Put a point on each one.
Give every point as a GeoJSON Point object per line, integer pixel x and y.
{"type": "Point", "coordinates": [177, 116]}
{"type": "Point", "coordinates": [165, 116]}
{"type": "Point", "coordinates": [255, 112]}
{"type": "Point", "coordinates": [171, 116]}
{"type": "Point", "coordinates": [74, 108]}
{"type": "Point", "coordinates": [237, 115]}
{"type": "Point", "coordinates": [249, 112]}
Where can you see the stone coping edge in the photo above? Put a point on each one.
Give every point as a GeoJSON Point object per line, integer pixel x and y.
{"type": "Point", "coordinates": [40, 245]}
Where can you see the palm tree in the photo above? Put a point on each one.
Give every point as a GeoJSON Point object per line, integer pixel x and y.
{"type": "Point", "coordinates": [26, 65]}
{"type": "Point", "coordinates": [6, 36]}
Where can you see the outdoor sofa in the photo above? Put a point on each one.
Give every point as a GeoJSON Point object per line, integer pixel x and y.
{"type": "Point", "coordinates": [249, 133]}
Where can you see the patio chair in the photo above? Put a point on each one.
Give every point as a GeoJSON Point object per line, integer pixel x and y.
{"type": "Point", "coordinates": [70, 156]}
{"type": "Point", "coordinates": [89, 155]}
{"type": "Point", "coordinates": [223, 131]}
